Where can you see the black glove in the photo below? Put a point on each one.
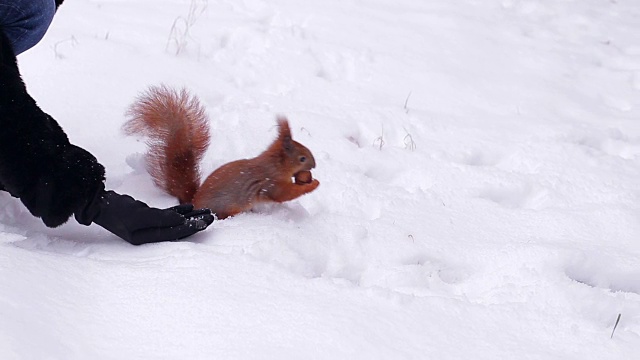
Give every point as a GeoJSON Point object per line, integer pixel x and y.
{"type": "Point", "coordinates": [137, 223]}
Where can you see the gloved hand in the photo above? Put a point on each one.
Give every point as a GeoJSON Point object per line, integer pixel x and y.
{"type": "Point", "coordinates": [137, 223]}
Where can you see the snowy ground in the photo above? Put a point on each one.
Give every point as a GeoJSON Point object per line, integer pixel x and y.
{"type": "Point", "coordinates": [479, 198]}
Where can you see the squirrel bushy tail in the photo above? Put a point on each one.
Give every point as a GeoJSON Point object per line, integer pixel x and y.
{"type": "Point", "coordinates": [177, 131]}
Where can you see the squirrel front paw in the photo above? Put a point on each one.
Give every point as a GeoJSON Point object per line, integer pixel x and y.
{"type": "Point", "coordinates": [303, 177]}
{"type": "Point", "coordinates": [312, 185]}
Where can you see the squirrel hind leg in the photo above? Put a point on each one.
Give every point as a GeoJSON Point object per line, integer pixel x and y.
{"type": "Point", "coordinates": [223, 214]}
{"type": "Point", "coordinates": [219, 206]}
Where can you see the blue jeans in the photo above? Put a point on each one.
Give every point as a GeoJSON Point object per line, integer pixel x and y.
{"type": "Point", "coordinates": [25, 21]}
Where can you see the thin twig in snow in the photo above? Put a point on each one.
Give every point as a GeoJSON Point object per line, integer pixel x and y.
{"type": "Point", "coordinates": [616, 325]}
{"type": "Point", "coordinates": [406, 102]}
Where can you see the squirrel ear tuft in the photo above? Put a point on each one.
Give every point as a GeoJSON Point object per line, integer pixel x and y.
{"type": "Point", "coordinates": [283, 127]}
{"type": "Point", "coordinates": [284, 133]}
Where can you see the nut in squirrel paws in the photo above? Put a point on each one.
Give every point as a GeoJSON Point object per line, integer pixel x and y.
{"type": "Point", "coordinates": [303, 177]}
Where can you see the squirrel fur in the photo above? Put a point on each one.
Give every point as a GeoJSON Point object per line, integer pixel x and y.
{"type": "Point", "coordinates": [177, 131]}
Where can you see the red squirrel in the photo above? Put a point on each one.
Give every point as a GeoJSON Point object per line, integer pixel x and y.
{"type": "Point", "coordinates": [177, 129]}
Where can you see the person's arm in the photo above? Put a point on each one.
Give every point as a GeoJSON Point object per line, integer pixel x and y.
{"type": "Point", "coordinates": [55, 179]}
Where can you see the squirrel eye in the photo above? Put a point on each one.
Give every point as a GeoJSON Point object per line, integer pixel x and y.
{"type": "Point", "coordinates": [303, 159]}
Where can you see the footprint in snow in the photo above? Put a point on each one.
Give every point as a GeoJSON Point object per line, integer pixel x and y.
{"type": "Point", "coordinates": [604, 275]}
{"type": "Point", "coordinates": [611, 142]}
{"type": "Point", "coordinates": [479, 158]}
{"type": "Point", "coordinates": [524, 196]}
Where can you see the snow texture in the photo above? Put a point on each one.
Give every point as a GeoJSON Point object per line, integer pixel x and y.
{"type": "Point", "coordinates": [479, 198]}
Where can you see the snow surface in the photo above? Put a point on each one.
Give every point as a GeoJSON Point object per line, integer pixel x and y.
{"type": "Point", "coordinates": [479, 198]}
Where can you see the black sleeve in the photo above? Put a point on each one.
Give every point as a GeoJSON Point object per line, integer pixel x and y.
{"type": "Point", "coordinates": [52, 177]}
{"type": "Point", "coordinates": [58, 3]}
